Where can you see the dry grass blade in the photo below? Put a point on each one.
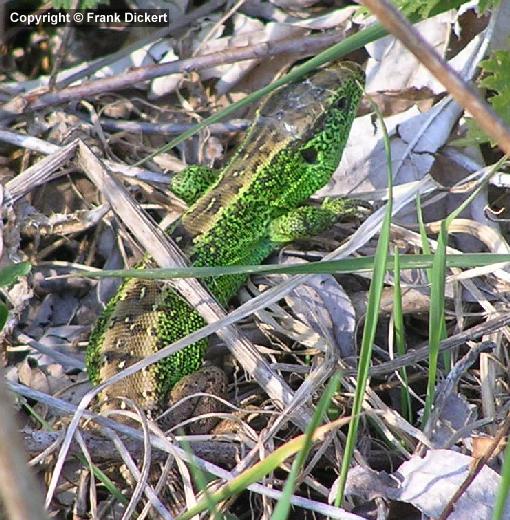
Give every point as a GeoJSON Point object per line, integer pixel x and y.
{"type": "Point", "coordinates": [21, 184]}
{"type": "Point", "coordinates": [165, 445]}
{"type": "Point", "coordinates": [39, 173]}
{"type": "Point", "coordinates": [276, 376]}
{"type": "Point", "coordinates": [476, 332]}
{"type": "Point", "coordinates": [192, 290]}
{"type": "Point", "coordinates": [182, 21]}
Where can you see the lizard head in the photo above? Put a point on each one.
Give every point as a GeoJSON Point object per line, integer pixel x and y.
{"type": "Point", "coordinates": [291, 150]}
{"type": "Point", "coordinates": [309, 122]}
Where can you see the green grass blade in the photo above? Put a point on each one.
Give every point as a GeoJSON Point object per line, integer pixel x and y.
{"type": "Point", "coordinates": [399, 334]}
{"type": "Point", "coordinates": [493, 170]}
{"type": "Point", "coordinates": [429, 273]}
{"type": "Point", "coordinates": [262, 468]}
{"type": "Point", "coordinates": [350, 44]}
{"type": "Point", "coordinates": [201, 481]}
{"type": "Point", "coordinates": [340, 49]}
{"type": "Point", "coordinates": [436, 316]}
{"type": "Point", "coordinates": [105, 480]}
{"type": "Point", "coordinates": [282, 509]}
{"type": "Point", "coordinates": [437, 325]}
{"type": "Point", "coordinates": [347, 265]}
{"type": "Point", "coordinates": [99, 475]}
{"type": "Point", "coordinates": [421, 226]}
{"type": "Point", "coordinates": [10, 273]}
{"type": "Point", "coordinates": [371, 320]}
{"type": "Point", "coordinates": [504, 487]}
{"type": "Point", "coordinates": [4, 314]}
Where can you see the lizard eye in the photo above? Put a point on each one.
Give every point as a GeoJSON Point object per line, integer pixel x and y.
{"type": "Point", "coordinates": [309, 155]}
{"type": "Point", "coordinates": [341, 103]}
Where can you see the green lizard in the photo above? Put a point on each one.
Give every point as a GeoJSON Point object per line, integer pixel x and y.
{"type": "Point", "coordinates": [236, 216]}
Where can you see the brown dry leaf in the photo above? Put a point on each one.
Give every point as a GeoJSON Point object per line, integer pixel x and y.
{"type": "Point", "coordinates": [396, 101]}
{"type": "Point", "coordinates": [483, 443]}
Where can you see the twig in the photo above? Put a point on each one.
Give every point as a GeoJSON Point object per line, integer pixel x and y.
{"type": "Point", "coordinates": [63, 359]}
{"type": "Point", "coordinates": [39, 173]}
{"type": "Point", "coordinates": [305, 46]}
{"type": "Point", "coordinates": [217, 451]}
{"type": "Point", "coordinates": [462, 92]}
{"type": "Point", "coordinates": [167, 254]}
{"type": "Point", "coordinates": [448, 386]}
{"type": "Point", "coordinates": [60, 54]}
{"type": "Point", "coordinates": [114, 125]}
{"type": "Point", "coordinates": [164, 444]}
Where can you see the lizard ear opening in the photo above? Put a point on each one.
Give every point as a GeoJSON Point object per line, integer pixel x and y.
{"type": "Point", "coordinates": [309, 155]}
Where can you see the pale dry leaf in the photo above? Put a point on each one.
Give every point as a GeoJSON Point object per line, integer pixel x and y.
{"type": "Point", "coordinates": [19, 295]}
{"type": "Point", "coordinates": [247, 31]}
{"type": "Point", "coordinates": [33, 377]}
{"type": "Point", "coordinates": [146, 55]}
{"type": "Point", "coordinates": [38, 316]}
{"type": "Point", "coordinates": [163, 52]}
{"type": "Point", "coordinates": [415, 137]}
{"type": "Point", "coordinates": [392, 67]}
{"type": "Point", "coordinates": [433, 136]}
{"type": "Point", "coordinates": [294, 4]}
{"type": "Point", "coordinates": [213, 150]}
{"type": "Point", "coordinates": [455, 415]}
{"type": "Point", "coordinates": [333, 18]}
{"type": "Point", "coordinates": [108, 248]}
{"type": "Point", "coordinates": [336, 18]}
{"type": "Point", "coordinates": [64, 308]}
{"type": "Point", "coordinates": [481, 444]}
{"type": "Point", "coordinates": [211, 28]}
{"type": "Point", "coordinates": [58, 335]}
{"type": "Point", "coordinates": [165, 84]}
{"type": "Point", "coordinates": [175, 8]}
{"type": "Point", "coordinates": [363, 165]}
{"type": "Point", "coordinates": [325, 307]}
{"type": "Point", "coordinates": [429, 484]}
{"type": "Point", "coordinates": [74, 391]}
{"type": "Point", "coordinates": [415, 140]}
{"type": "Point", "coordinates": [365, 483]}
{"type": "Point", "coordinates": [57, 344]}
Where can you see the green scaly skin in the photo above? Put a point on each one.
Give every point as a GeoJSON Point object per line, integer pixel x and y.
{"type": "Point", "coordinates": [238, 217]}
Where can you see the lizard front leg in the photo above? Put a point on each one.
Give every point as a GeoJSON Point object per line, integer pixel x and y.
{"type": "Point", "coordinates": [307, 221]}
{"type": "Point", "coordinates": [192, 182]}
